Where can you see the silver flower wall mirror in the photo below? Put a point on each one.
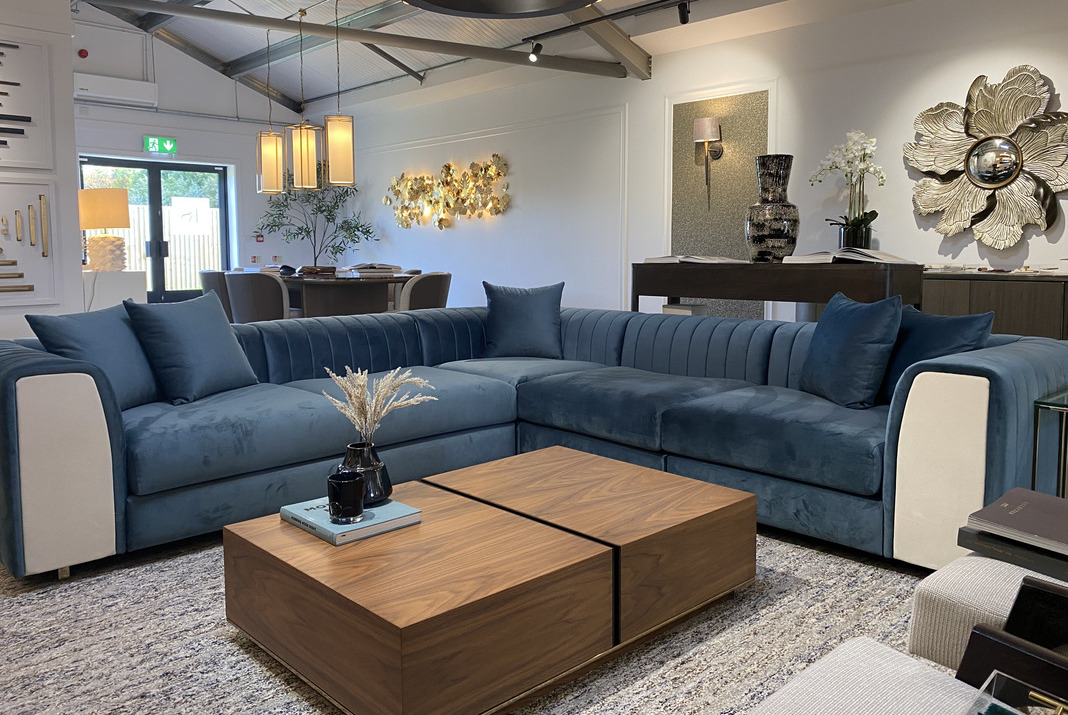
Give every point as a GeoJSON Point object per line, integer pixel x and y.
{"type": "Point", "coordinates": [994, 165]}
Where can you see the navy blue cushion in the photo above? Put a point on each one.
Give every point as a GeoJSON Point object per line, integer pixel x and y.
{"type": "Point", "coordinates": [191, 347]}
{"type": "Point", "coordinates": [784, 432]}
{"type": "Point", "coordinates": [923, 336]}
{"type": "Point", "coordinates": [523, 322]}
{"type": "Point", "coordinates": [621, 404]}
{"type": "Point", "coordinates": [850, 349]}
{"type": "Point", "coordinates": [106, 339]}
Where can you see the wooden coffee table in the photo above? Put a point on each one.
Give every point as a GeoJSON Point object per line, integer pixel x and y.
{"type": "Point", "coordinates": [523, 570]}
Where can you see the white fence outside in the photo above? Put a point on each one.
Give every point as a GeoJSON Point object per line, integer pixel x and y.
{"type": "Point", "coordinates": [190, 252]}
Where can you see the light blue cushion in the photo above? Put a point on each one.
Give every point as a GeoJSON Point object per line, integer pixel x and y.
{"type": "Point", "coordinates": [621, 404]}
{"type": "Point", "coordinates": [516, 370]}
{"type": "Point", "coordinates": [191, 347]}
{"type": "Point", "coordinates": [784, 432]}
{"type": "Point", "coordinates": [923, 336]}
{"type": "Point", "coordinates": [523, 322]}
{"type": "Point", "coordinates": [106, 339]}
{"type": "Point", "coordinates": [850, 349]}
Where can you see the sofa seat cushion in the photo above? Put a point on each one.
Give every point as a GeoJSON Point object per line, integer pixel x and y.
{"type": "Point", "coordinates": [463, 402]}
{"type": "Point", "coordinates": [262, 426]}
{"type": "Point", "coordinates": [515, 370]}
{"type": "Point", "coordinates": [785, 433]}
{"type": "Point", "coordinates": [621, 404]}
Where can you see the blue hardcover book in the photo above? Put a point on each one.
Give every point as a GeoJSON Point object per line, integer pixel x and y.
{"type": "Point", "coordinates": [314, 517]}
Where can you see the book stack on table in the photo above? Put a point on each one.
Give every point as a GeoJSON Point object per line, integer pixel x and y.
{"type": "Point", "coordinates": [314, 517]}
{"type": "Point", "coordinates": [1023, 527]}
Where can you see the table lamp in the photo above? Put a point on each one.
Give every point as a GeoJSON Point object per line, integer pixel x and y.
{"type": "Point", "coordinates": [104, 209]}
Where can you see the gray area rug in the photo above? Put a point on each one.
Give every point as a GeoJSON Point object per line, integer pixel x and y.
{"type": "Point", "coordinates": [147, 633]}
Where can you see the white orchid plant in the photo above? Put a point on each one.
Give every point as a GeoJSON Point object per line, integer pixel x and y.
{"type": "Point", "coordinates": [854, 161]}
{"type": "Point", "coordinates": [365, 407]}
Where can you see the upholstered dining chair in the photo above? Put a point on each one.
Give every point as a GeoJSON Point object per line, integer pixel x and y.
{"type": "Point", "coordinates": [216, 281]}
{"type": "Point", "coordinates": [427, 290]}
{"type": "Point", "coordinates": [258, 296]}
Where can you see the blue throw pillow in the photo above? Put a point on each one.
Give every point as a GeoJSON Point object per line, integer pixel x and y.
{"type": "Point", "coordinates": [923, 336]}
{"type": "Point", "coordinates": [850, 349]}
{"type": "Point", "coordinates": [106, 339]}
{"type": "Point", "coordinates": [191, 346]}
{"type": "Point", "coordinates": [523, 322]}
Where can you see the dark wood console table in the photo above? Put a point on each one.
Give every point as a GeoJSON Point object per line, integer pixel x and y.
{"type": "Point", "coordinates": [1023, 303]}
{"type": "Point", "coordinates": [795, 282]}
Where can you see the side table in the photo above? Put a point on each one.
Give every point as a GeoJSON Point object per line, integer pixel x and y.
{"type": "Point", "coordinates": [1057, 402]}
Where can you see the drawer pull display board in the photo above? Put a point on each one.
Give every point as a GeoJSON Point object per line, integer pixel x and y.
{"type": "Point", "coordinates": [27, 268]}
{"type": "Point", "coordinates": [25, 117]}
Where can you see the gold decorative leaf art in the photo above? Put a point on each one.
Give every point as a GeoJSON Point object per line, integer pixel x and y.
{"type": "Point", "coordinates": [436, 200]}
{"type": "Point", "coordinates": [995, 164]}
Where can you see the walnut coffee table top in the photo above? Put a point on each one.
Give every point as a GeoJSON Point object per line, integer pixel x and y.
{"type": "Point", "coordinates": [523, 571]}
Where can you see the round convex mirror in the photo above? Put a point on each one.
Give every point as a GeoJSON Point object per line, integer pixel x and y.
{"type": "Point", "coordinates": [993, 162]}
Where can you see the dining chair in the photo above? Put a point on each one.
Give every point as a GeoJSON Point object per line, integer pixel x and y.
{"type": "Point", "coordinates": [427, 290]}
{"type": "Point", "coordinates": [258, 296]}
{"type": "Point", "coordinates": [216, 281]}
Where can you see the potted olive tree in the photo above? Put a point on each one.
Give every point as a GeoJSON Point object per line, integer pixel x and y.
{"type": "Point", "coordinates": [319, 217]}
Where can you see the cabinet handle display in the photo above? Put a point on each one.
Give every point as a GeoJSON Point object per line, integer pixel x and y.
{"type": "Point", "coordinates": [33, 225]}
{"type": "Point", "coordinates": [44, 225]}
{"type": "Point", "coordinates": [18, 225]}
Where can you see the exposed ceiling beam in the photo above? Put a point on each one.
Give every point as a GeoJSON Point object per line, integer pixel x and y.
{"type": "Point", "coordinates": [205, 58]}
{"type": "Point", "coordinates": [396, 63]}
{"type": "Point", "coordinates": [418, 44]}
{"type": "Point", "coordinates": [608, 35]}
{"type": "Point", "coordinates": [154, 20]}
{"type": "Point", "coordinates": [371, 18]}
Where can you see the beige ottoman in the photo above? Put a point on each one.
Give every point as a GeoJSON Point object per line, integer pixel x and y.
{"type": "Point", "coordinates": [947, 604]}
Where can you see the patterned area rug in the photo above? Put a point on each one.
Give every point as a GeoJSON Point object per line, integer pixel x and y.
{"type": "Point", "coordinates": [147, 633]}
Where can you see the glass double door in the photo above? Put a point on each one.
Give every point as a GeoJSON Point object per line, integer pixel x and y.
{"type": "Point", "coordinates": [178, 220]}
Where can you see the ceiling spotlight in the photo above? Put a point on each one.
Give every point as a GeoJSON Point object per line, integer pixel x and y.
{"type": "Point", "coordinates": [535, 50]}
{"type": "Point", "coordinates": [684, 13]}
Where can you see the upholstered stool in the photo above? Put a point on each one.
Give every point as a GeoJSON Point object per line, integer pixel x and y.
{"type": "Point", "coordinates": [947, 604]}
{"type": "Point", "coordinates": [862, 676]}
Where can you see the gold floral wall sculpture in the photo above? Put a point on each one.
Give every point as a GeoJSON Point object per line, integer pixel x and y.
{"type": "Point", "coordinates": [436, 200]}
{"type": "Point", "coordinates": [995, 164]}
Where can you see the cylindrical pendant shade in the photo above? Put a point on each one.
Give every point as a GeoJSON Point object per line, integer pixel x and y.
{"type": "Point", "coordinates": [706, 129]}
{"type": "Point", "coordinates": [304, 141]}
{"type": "Point", "coordinates": [270, 163]}
{"type": "Point", "coordinates": [103, 208]}
{"type": "Point", "coordinates": [340, 157]}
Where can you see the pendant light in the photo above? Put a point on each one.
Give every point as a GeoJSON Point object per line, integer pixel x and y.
{"type": "Point", "coordinates": [270, 147]}
{"type": "Point", "coordinates": [340, 155]}
{"type": "Point", "coordinates": [305, 139]}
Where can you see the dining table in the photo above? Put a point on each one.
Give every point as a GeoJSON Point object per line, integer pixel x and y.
{"type": "Point", "coordinates": [325, 295]}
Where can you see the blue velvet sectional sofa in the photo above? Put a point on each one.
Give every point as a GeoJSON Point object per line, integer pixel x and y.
{"type": "Point", "coordinates": [709, 398]}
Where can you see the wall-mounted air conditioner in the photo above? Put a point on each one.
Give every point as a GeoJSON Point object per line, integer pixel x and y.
{"type": "Point", "coordinates": [114, 90]}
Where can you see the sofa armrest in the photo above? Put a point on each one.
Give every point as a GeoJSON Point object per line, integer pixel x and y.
{"type": "Point", "coordinates": [959, 435]}
{"type": "Point", "coordinates": [62, 463]}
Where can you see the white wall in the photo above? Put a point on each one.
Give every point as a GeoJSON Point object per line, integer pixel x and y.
{"type": "Point", "coordinates": [873, 70]}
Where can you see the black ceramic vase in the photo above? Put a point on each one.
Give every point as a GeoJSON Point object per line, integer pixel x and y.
{"type": "Point", "coordinates": [361, 458]}
{"type": "Point", "coordinates": [771, 225]}
{"type": "Point", "coordinates": [854, 237]}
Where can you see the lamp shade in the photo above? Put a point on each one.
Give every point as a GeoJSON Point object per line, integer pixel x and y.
{"type": "Point", "coordinates": [103, 209]}
{"type": "Point", "coordinates": [270, 163]}
{"type": "Point", "coordinates": [706, 129]}
{"type": "Point", "coordinates": [305, 141]}
{"type": "Point", "coordinates": [340, 157]}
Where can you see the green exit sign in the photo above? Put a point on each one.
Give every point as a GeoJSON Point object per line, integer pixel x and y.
{"type": "Point", "coordinates": [161, 145]}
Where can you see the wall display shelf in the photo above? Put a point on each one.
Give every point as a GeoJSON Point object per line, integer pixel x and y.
{"type": "Point", "coordinates": [25, 114]}
{"type": "Point", "coordinates": [27, 242]}
{"type": "Point", "coordinates": [796, 282]}
{"type": "Point", "coordinates": [1023, 303]}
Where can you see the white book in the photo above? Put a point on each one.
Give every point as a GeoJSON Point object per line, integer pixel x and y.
{"type": "Point", "coordinates": [693, 259]}
{"type": "Point", "coordinates": [848, 255]}
{"type": "Point", "coordinates": [314, 517]}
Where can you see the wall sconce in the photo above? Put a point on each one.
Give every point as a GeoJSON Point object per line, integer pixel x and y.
{"type": "Point", "coordinates": [437, 199]}
{"type": "Point", "coordinates": [104, 209]}
{"type": "Point", "coordinates": [706, 131]}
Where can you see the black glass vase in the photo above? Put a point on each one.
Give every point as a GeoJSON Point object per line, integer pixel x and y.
{"type": "Point", "coordinates": [361, 458]}
{"type": "Point", "coordinates": [854, 237]}
{"type": "Point", "coordinates": [771, 225]}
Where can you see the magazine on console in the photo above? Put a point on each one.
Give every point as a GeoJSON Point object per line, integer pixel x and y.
{"type": "Point", "coordinates": [848, 255]}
